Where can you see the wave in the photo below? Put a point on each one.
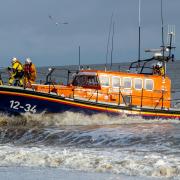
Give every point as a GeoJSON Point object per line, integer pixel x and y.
{"type": "Point", "coordinates": [46, 130]}
{"type": "Point", "coordinates": [92, 160]}
{"type": "Point", "coordinates": [74, 119]}
{"type": "Point", "coordinates": [98, 143]}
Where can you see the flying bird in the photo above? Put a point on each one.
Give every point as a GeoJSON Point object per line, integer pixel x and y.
{"type": "Point", "coordinates": [56, 23]}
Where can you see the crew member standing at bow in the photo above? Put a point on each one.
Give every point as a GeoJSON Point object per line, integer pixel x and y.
{"type": "Point", "coordinates": [29, 72]}
{"type": "Point", "coordinates": [16, 72]}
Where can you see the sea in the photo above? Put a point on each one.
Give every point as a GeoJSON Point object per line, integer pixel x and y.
{"type": "Point", "coordinates": [74, 146]}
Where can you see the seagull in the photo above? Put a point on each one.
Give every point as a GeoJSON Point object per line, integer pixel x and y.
{"type": "Point", "coordinates": [56, 23]}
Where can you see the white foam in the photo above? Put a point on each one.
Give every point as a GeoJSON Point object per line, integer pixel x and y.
{"type": "Point", "coordinates": [70, 118]}
{"type": "Point", "coordinates": [92, 160]}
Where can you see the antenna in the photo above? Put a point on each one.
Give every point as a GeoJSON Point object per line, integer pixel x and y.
{"type": "Point", "coordinates": [162, 37]}
{"type": "Point", "coordinates": [171, 30]}
{"type": "Point", "coordinates": [79, 57]}
{"type": "Point", "coordinates": [112, 47]}
{"type": "Point", "coordinates": [162, 29]}
{"type": "Point", "coordinates": [139, 47]}
{"type": "Point", "coordinates": [108, 42]}
{"type": "Point", "coordinates": [171, 38]}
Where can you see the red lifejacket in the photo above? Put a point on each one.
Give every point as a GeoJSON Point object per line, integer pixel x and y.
{"type": "Point", "coordinates": [30, 71]}
{"type": "Point", "coordinates": [27, 69]}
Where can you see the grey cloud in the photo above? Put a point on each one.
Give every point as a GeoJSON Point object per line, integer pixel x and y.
{"type": "Point", "coordinates": [26, 29]}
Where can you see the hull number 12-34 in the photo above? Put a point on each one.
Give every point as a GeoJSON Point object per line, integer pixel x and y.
{"type": "Point", "coordinates": [27, 107]}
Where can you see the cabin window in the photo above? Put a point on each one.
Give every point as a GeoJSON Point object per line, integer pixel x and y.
{"type": "Point", "coordinates": [85, 80]}
{"type": "Point", "coordinates": [149, 84]}
{"type": "Point", "coordinates": [138, 83]}
{"type": "Point", "coordinates": [92, 81]}
{"type": "Point", "coordinates": [116, 81]}
{"type": "Point", "coordinates": [127, 82]}
{"type": "Point", "coordinates": [104, 80]}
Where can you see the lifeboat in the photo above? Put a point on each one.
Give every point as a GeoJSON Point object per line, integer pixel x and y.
{"type": "Point", "coordinates": [143, 90]}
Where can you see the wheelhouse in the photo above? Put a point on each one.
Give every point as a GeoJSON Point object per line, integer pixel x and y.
{"type": "Point", "coordinates": [86, 80]}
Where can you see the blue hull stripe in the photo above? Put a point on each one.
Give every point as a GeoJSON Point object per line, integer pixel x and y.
{"type": "Point", "coordinates": [21, 101]}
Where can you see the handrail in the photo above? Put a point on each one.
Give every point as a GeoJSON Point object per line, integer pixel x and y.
{"type": "Point", "coordinates": [118, 94]}
{"type": "Point", "coordinates": [142, 97]}
{"type": "Point", "coordinates": [160, 99]}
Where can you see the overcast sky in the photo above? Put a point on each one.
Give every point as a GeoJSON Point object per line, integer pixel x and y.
{"type": "Point", "coordinates": [27, 31]}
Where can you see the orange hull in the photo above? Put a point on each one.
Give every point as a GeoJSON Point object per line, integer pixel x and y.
{"type": "Point", "coordinates": [120, 88]}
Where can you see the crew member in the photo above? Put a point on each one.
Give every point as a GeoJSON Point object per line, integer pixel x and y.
{"type": "Point", "coordinates": [29, 72]}
{"type": "Point", "coordinates": [16, 72]}
{"type": "Point", "coordinates": [1, 81]}
{"type": "Point", "coordinates": [162, 70]}
{"type": "Point", "coordinates": [159, 69]}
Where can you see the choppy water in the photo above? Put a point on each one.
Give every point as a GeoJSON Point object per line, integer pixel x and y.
{"type": "Point", "coordinates": [129, 146]}
{"type": "Point", "coordinates": [133, 147]}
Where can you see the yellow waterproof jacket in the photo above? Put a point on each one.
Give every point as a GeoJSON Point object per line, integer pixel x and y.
{"type": "Point", "coordinates": [17, 67]}
{"type": "Point", "coordinates": [162, 71]}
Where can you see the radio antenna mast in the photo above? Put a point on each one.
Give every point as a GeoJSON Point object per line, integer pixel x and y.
{"type": "Point", "coordinates": [162, 37]}
{"type": "Point", "coordinates": [107, 51]}
{"type": "Point", "coordinates": [79, 48]}
{"type": "Point", "coordinates": [139, 47]}
{"type": "Point", "coordinates": [171, 29]}
{"type": "Point", "coordinates": [171, 39]}
{"type": "Point", "coordinates": [112, 47]}
{"type": "Point", "coordinates": [162, 29]}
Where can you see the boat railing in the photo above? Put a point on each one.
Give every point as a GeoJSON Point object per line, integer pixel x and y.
{"type": "Point", "coordinates": [121, 99]}
{"type": "Point", "coordinates": [96, 95]}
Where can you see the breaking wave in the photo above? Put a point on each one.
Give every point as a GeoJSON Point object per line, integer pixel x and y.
{"type": "Point", "coordinates": [125, 162]}
{"type": "Point", "coordinates": [98, 143]}
{"type": "Point", "coordinates": [70, 118]}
